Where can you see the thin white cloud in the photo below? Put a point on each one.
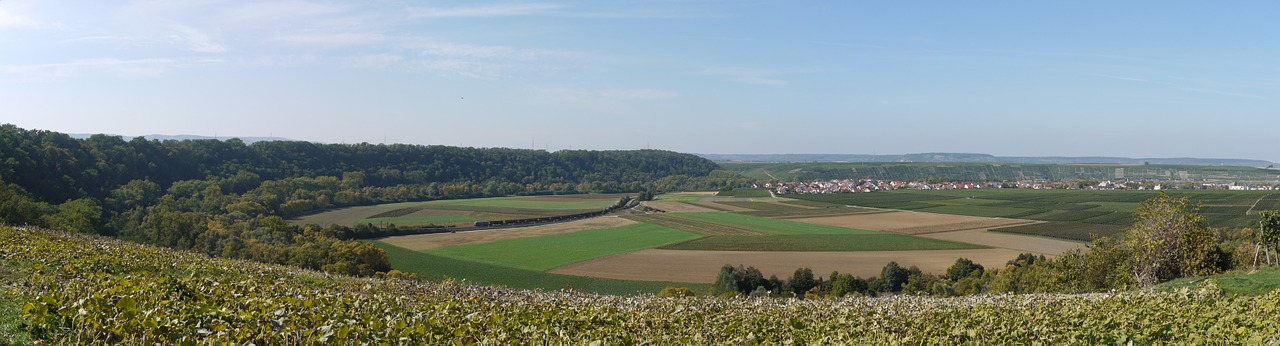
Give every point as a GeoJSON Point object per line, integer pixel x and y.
{"type": "Point", "coordinates": [280, 10]}
{"type": "Point", "coordinates": [484, 11]}
{"type": "Point", "coordinates": [195, 40]}
{"type": "Point", "coordinates": [330, 40]}
{"type": "Point", "coordinates": [602, 100]}
{"type": "Point", "coordinates": [375, 60]}
{"type": "Point", "coordinates": [454, 49]}
{"type": "Point", "coordinates": [9, 19]}
{"type": "Point", "coordinates": [128, 68]}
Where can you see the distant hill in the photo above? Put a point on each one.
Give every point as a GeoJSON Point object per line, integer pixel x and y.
{"type": "Point", "coordinates": [999, 171]}
{"type": "Point", "coordinates": [246, 140]}
{"type": "Point", "coordinates": [981, 158]}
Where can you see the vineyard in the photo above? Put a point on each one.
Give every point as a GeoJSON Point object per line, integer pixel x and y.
{"type": "Point", "coordinates": [76, 289]}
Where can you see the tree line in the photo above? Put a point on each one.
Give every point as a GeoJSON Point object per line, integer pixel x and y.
{"type": "Point", "coordinates": [231, 199]}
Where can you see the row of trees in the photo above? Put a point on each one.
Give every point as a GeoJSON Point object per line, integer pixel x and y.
{"type": "Point", "coordinates": [1169, 240]}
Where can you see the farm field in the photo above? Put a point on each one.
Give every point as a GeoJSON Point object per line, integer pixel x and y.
{"type": "Point", "coordinates": [675, 207]}
{"type": "Point", "coordinates": [1109, 210]}
{"type": "Point", "coordinates": [462, 211]}
{"type": "Point", "coordinates": [818, 242]}
{"type": "Point", "coordinates": [701, 266]}
{"type": "Point", "coordinates": [105, 291]}
{"type": "Point", "coordinates": [546, 252]}
{"type": "Point", "coordinates": [419, 242]}
{"type": "Point", "coordinates": [767, 228]}
{"type": "Point", "coordinates": [433, 267]}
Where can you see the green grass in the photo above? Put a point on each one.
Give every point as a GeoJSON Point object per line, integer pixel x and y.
{"type": "Point", "coordinates": [1108, 210]}
{"type": "Point", "coordinates": [814, 204]}
{"type": "Point", "coordinates": [745, 193]}
{"type": "Point", "coordinates": [1238, 282]}
{"type": "Point", "coordinates": [536, 202]}
{"type": "Point", "coordinates": [514, 207]}
{"type": "Point", "coordinates": [434, 267]}
{"type": "Point", "coordinates": [804, 213]}
{"type": "Point", "coordinates": [547, 252]}
{"type": "Point", "coordinates": [420, 220]}
{"type": "Point", "coordinates": [11, 329]}
{"type": "Point", "coordinates": [680, 197]}
{"type": "Point", "coordinates": [764, 206]}
{"type": "Point", "coordinates": [767, 225]}
{"type": "Point", "coordinates": [819, 242]}
{"type": "Point", "coordinates": [1065, 230]}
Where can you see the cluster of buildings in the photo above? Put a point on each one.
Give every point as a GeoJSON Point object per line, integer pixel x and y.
{"type": "Point", "coordinates": [871, 185]}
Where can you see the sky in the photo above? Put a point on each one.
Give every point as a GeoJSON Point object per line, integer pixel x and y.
{"type": "Point", "coordinates": [1012, 78]}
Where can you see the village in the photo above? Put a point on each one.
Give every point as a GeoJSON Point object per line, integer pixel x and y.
{"type": "Point", "coordinates": [872, 185]}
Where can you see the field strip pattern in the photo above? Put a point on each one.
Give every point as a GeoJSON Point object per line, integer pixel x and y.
{"type": "Point", "coordinates": [546, 252]}
{"type": "Point", "coordinates": [419, 242]}
{"type": "Point", "coordinates": [690, 225]}
{"type": "Point", "coordinates": [702, 266]}
{"type": "Point", "coordinates": [676, 207]}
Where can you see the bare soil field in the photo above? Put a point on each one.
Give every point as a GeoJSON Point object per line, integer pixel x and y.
{"type": "Point", "coordinates": [676, 207]}
{"type": "Point", "coordinates": [1022, 243]}
{"type": "Point", "coordinates": [702, 266]}
{"type": "Point", "coordinates": [965, 229]}
{"type": "Point", "coordinates": [419, 242]}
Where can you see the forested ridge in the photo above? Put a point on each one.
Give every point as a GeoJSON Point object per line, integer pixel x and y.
{"type": "Point", "coordinates": [230, 199]}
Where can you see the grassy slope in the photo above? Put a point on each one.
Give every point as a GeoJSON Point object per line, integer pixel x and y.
{"type": "Point", "coordinates": [433, 267]}
{"type": "Point", "coordinates": [544, 253]}
{"type": "Point", "coordinates": [1238, 282]}
{"type": "Point", "coordinates": [11, 330]}
{"type": "Point", "coordinates": [418, 220]}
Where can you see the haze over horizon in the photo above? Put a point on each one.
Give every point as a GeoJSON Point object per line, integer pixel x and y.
{"type": "Point", "coordinates": [1134, 79]}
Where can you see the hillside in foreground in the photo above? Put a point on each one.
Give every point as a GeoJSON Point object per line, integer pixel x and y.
{"type": "Point", "coordinates": [65, 288]}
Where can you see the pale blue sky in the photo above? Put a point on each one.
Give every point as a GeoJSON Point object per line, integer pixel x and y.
{"type": "Point", "coordinates": [1139, 79]}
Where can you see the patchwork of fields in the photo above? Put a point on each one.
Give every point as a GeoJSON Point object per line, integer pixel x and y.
{"type": "Point", "coordinates": [463, 211]}
{"type": "Point", "coordinates": [1068, 214]}
{"type": "Point", "coordinates": [701, 232]}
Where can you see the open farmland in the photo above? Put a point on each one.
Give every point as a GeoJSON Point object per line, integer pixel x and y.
{"type": "Point", "coordinates": [104, 291]}
{"type": "Point", "coordinates": [419, 242]}
{"type": "Point", "coordinates": [818, 242]}
{"type": "Point", "coordinates": [462, 211]}
{"type": "Point", "coordinates": [1084, 212]}
{"type": "Point", "coordinates": [546, 252]}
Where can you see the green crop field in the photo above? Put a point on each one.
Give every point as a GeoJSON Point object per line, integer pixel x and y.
{"type": "Point", "coordinates": [547, 252]}
{"type": "Point", "coordinates": [1082, 211]}
{"type": "Point", "coordinates": [803, 213]}
{"type": "Point", "coordinates": [420, 220]}
{"type": "Point", "coordinates": [470, 209]}
{"type": "Point", "coordinates": [767, 225]}
{"type": "Point", "coordinates": [434, 267]}
{"type": "Point", "coordinates": [743, 192]}
{"type": "Point", "coordinates": [819, 242]}
{"type": "Point", "coordinates": [764, 206]}
{"type": "Point", "coordinates": [1065, 230]}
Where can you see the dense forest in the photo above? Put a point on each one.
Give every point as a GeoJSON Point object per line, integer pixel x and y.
{"type": "Point", "coordinates": [231, 199]}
